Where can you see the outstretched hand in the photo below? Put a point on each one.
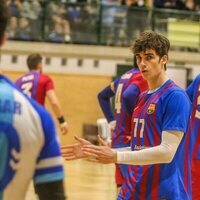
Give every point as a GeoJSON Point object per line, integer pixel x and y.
{"type": "Point", "coordinates": [74, 151]}
{"type": "Point", "coordinates": [101, 154]}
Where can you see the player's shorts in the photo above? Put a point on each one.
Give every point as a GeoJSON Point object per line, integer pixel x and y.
{"type": "Point", "coordinates": [195, 179]}
{"type": "Point", "coordinates": [120, 173]}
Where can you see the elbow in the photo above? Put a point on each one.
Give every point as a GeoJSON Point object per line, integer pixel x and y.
{"type": "Point", "coordinates": [99, 96]}
{"type": "Point", "coordinates": [54, 103]}
{"type": "Point", "coordinates": [167, 159]}
{"type": "Point", "coordinates": [102, 98]}
{"type": "Point", "coordinates": [168, 156]}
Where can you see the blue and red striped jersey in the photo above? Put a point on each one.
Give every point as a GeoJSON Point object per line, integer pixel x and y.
{"type": "Point", "coordinates": [128, 89]}
{"type": "Point", "coordinates": [193, 92]}
{"type": "Point", "coordinates": [165, 109]}
{"type": "Point", "coordinates": [35, 85]}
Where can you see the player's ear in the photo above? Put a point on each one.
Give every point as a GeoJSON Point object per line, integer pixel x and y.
{"type": "Point", "coordinates": [3, 39]}
{"type": "Point", "coordinates": [39, 67]}
{"type": "Point", "coordinates": [164, 59]}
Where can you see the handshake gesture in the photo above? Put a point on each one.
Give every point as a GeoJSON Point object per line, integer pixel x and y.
{"type": "Point", "coordinates": [84, 149]}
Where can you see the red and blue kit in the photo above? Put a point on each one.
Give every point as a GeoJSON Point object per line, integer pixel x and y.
{"type": "Point", "coordinates": [35, 85]}
{"type": "Point", "coordinates": [128, 89]}
{"type": "Point", "coordinates": [165, 109]}
{"type": "Point", "coordinates": [193, 92]}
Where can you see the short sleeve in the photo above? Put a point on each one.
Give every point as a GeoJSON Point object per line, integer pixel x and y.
{"type": "Point", "coordinates": [176, 111]}
{"type": "Point", "coordinates": [116, 82]}
{"type": "Point", "coordinates": [49, 165]}
{"type": "Point", "coordinates": [49, 84]}
{"type": "Point", "coordinates": [192, 87]}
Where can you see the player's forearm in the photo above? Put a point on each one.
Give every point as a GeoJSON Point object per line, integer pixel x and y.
{"type": "Point", "coordinates": [104, 102]}
{"type": "Point", "coordinates": [51, 95]}
{"type": "Point", "coordinates": [56, 109]}
{"type": "Point", "coordinates": [163, 153]}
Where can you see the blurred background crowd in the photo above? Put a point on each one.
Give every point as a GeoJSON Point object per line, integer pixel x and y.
{"type": "Point", "coordinates": [105, 22]}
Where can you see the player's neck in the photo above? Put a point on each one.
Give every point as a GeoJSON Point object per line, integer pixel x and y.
{"type": "Point", "coordinates": [35, 70]}
{"type": "Point", "coordinates": [157, 82]}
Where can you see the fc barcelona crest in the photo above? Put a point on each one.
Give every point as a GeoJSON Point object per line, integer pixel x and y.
{"type": "Point", "coordinates": [151, 108]}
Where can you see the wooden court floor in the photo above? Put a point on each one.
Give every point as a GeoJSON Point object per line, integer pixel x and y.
{"type": "Point", "coordinates": [86, 181]}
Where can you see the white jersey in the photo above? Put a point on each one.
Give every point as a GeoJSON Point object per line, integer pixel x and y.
{"type": "Point", "coordinates": [28, 144]}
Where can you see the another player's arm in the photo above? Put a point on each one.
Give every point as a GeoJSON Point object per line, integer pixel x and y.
{"type": "Point", "coordinates": [105, 104]}
{"type": "Point", "coordinates": [51, 95]}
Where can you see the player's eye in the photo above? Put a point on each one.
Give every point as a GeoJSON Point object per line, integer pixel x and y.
{"type": "Point", "coordinates": [138, 59]}
{"type": "Point", "coordinates": [149, 57]}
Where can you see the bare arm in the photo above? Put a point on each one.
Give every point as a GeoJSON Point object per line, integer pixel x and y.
{"type": "Point", "coordinates": [51, 95]}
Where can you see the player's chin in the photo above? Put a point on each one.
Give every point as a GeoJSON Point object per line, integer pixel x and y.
{"type": "Point", "coordinates": [145, 76]}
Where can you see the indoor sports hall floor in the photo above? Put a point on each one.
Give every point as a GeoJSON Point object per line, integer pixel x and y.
{"type": "Point", "coordinates": [86, 181]}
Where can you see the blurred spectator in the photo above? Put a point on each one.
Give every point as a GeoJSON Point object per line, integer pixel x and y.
{"type": "Point", "coordinates": [56, 14]}
{"type": "Point", "coordinates": [171, 4]}
{"type": "Point", "coordinates": [14, 7]}
{"type": "Point", "coordinates": [89, 18]}
{"type": "Point", "coordinates": [31, 10]}
{"type": "Point", "coordinates": [136, 18]}
{"type": "Point", "coordinates": [197, 5]}
{"type": "Point", "coordinates": [12, 28]}
{"type": "Point", "coordinates": [74, 14]}
{"type": "Point", "coordinates": [190, 4]}
{"type": "Point", "coordinates": [24, 31]}
{"type": "Point", "coordinates": [57, 34]}
{"type": "Point", "coordinates": [112, 20]}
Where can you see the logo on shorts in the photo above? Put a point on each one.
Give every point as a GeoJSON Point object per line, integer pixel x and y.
{"type": "Point", "coordinates": [151, 108]}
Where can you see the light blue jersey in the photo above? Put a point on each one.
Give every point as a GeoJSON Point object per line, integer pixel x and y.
{"type": "Point", "coordinates": [28, 144]}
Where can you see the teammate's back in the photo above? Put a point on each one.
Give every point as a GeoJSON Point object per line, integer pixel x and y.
{"type": "Point", "coordinates": [38, 86]}
{"type": "Point", "coordinates": [35, 85]}
{"type": "Point", "coordinates": [27, 140]}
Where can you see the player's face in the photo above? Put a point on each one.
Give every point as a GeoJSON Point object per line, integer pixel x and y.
{"type": "Point", "coordinates": [150, 64]}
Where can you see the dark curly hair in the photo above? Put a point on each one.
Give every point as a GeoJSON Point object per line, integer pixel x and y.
{"type": "Point", "coordinates": [151, 40]}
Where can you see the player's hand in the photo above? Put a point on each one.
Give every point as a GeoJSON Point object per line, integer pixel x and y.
{"type": "Point", "coordinates": [100, 154]}
{"type": "Point", "coordinates": [74, 151]}
{"type": "Point", "coordinates": [64, 128]}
